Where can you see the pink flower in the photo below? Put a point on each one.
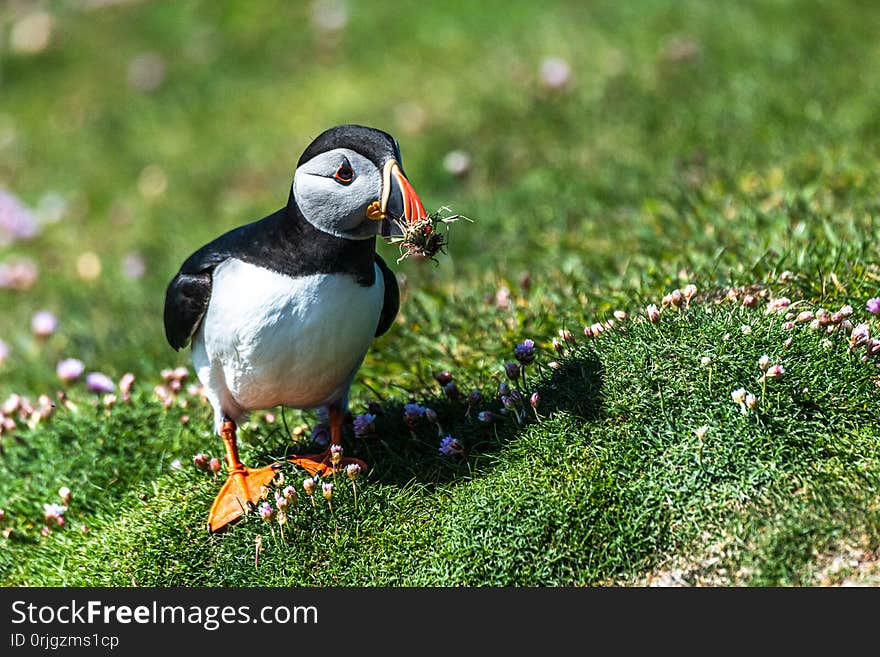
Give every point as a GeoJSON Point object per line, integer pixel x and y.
{"type": "Point", "coordinates": [775, 372]}
{"type": "Point", "coordinates": [201, 461]}
{"type": "Point", "coordinates": [554, 73]}
{"type": "Point", "coordinates": [457, 163]}
{"type": "Point", "coordinates": [18, 274]}
{"type": "Point", "coordinates": [266, 512]}
{"type": "Point", "coordinates": [43, 324]}
{"type": "Point", "coordinates": [125, 384]}
{"type": "Point", "coordinates": [873, 305]}
{"type": "Point", "coordinates": [133, 266]}
{"type": "Point", "coordinates": [54, 513]}
{"type": "Point", "coordinates": [335, 454]}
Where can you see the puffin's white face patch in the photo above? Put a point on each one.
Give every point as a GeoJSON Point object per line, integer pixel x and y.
{"type": "Point", "coordinates": [335, 207]}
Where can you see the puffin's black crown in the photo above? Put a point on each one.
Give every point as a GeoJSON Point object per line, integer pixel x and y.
{"type": "Point", "coordinates": [372, 143]}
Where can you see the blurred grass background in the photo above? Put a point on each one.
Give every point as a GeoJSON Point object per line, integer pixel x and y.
{"type": "Point", "coordinates": [614, 150]}
{"type": "Point", "coordinates": [163, 124]}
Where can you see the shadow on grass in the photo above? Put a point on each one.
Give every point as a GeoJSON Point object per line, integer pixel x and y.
{"type": "Point", "coordinates": [399, 455]}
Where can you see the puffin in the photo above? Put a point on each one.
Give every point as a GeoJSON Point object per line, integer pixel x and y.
{"type": "Point", "coordinates": [282, 311]}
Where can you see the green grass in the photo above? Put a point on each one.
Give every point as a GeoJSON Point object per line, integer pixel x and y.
{"type": "Point", "coordinates": [718, 145]}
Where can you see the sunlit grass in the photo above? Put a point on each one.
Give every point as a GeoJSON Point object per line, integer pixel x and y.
{"type": "Point", "coordinates": [721, 146]}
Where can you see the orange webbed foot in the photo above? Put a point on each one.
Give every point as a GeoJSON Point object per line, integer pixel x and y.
{"type": "Point", "coordinates": [322, 464]}
{"type": "Point", "coordinates": [244, 487]}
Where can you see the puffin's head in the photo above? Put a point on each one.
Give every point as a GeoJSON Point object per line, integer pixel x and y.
{"type": "Point", "coordinates": [350, 183]}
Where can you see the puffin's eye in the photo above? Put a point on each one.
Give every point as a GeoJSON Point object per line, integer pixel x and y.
{"type": "Point", "coordinates": [344, 174]}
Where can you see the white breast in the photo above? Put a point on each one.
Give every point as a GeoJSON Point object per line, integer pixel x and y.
{"type": "Point", "coordinates": [269, 339]}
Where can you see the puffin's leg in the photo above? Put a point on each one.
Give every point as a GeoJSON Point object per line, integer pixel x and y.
{"type": "Point", "coordinates": [243, 487]}
{"type": "Point", "coordinates": [322, 463]}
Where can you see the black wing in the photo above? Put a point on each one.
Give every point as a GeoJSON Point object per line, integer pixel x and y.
{"type": "Point", "coordinates": [189, 292]}
{"type": "Point", "coordinates": [186, 302]}
{"type": "Point", "coordinates": [392, 298]}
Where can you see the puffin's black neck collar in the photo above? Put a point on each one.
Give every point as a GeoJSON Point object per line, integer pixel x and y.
{"type": "Point", "coordinates": [303, 249]}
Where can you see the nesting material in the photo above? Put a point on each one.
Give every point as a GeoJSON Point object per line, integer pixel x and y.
{"type": "Point", "coordinates": [426, 237]}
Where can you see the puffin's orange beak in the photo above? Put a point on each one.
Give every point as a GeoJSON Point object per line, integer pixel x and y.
{"type": "Point", "coordinates": [399, 203]}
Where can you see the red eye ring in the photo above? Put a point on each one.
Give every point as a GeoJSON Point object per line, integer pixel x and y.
{"type": "Point", "coordinates": [344, 173]}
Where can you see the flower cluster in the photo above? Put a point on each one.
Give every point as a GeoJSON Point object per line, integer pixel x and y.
{"type": "Point", "coordinates": [746, 400]}
{"type": "Point", "coordinates": [53, 513]}
{"type": "Point", "coordinates": [447, 383]}
{"type": "Point", "coordinates": [769, 371]}
{"type": "Point", "coordinates": [679, 299]}
{"type": "Point", "coordinates": [365, 425]}
{"type": "Point", "coordinates": [412, 414]}
{"type": "Point", "coordinates": [172, 391]}
{"type": "Point", "coordinates": [17, 410]}
{"type": "Point", "coordinates": [838, 322]}
{"type": "Point", "coordinates": [450, 446]}
{"type": "Point", "coordinates": [207, 463]}
{"type": "Point", "coordinates": [513, 394]}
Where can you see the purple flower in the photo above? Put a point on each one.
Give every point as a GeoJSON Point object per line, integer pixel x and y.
{"type": "Point", "coordinates": [525, 352]}
{"type": "Point", "coordinates": [486, 416]}
{"type": "Point", "coordinates": [512, 370]}
{"type": "Point", "coordinates": [266, 512]}
{"type": "Point", "coordinates": [431, 415]}
{"type": "Point", "coordinates": [43, 324]}
{"type": "Point", "coordinates": [503, 388]}
{"type": "Point", "coordinates": [69, 369]}
{"type": "Point", "coordinates": [411, 414]}
{"type": "Point", "coordinates": [475, 397]}
{"type": "Point", "coordinates": [534, 400]}
{"type": "Point", "coordinates": [873, 305]}
{"type": "Point", "coordinates": [450, 389]}
{"type": "Point", "coordinates": [450, 446]}
{"type": "Point", "coordinates": [443, 377]}
{"type": "Point", "coordinates": [363, 425]}
{"type": "Point", "coordinates": [98, 382]}
{"type": "Point", "coordinates": [320, 435]}
{"type": "Point", "coordinates": [508, 403]}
